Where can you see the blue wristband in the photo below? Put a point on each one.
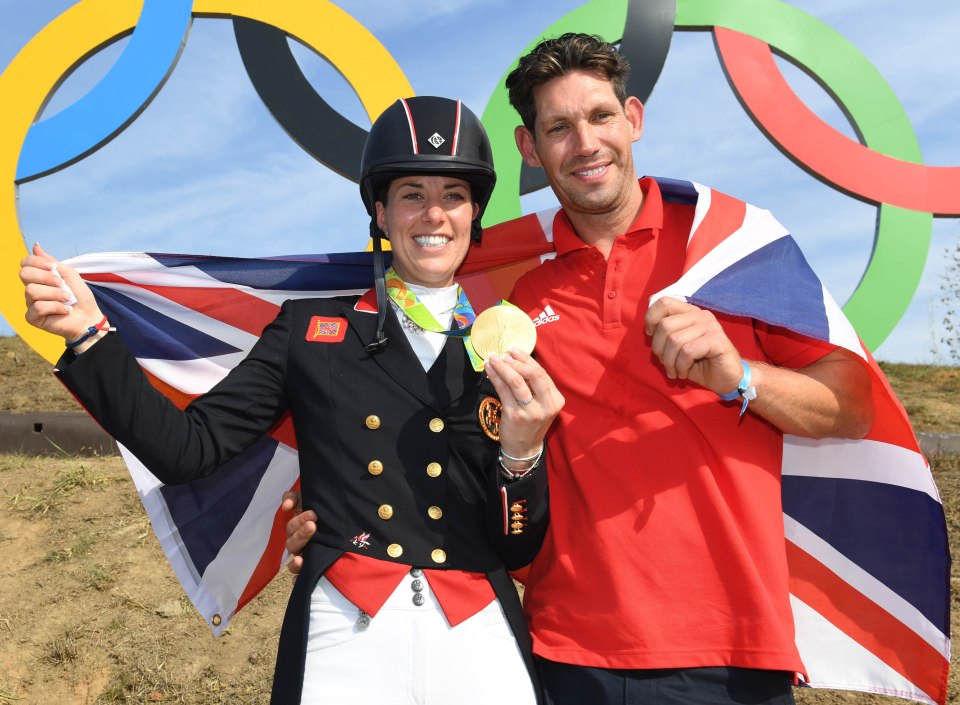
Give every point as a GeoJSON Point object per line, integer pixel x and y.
{"type": "Point", "coordinates": [91, 331]}
{"type": "Point", "coordinates": [744, 390]}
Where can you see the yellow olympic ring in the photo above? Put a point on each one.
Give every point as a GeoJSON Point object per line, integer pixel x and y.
{"type": "Point", "coordinates": [52, 53]}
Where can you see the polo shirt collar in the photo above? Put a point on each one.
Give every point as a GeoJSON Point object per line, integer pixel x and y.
{"type": "Point", "coordinates": [650, 217]}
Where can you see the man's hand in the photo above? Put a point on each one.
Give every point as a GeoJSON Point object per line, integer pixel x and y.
{"type": "Point", "coordinates": [691, 344]}
{"type": "Point", "coordinates": [831, 397]}
{"type": "Point", "coordinates": [300, 528]}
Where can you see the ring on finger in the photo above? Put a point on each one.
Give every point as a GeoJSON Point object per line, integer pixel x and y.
{"type": "Point", "coordinates": [523, 402]}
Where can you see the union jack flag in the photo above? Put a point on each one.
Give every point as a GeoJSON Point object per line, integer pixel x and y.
{"type": "Point", "coordinates": [865, 531]}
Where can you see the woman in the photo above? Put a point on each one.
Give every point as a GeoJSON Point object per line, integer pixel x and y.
{"type": "Point", "coordinates": [427, 488]}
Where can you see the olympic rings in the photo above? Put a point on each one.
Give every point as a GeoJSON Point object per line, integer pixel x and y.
{"type": "Point", "coordinates": [902, 237]}
{"type": "Point", "coordinates": [52, 53]}
{"type": "Point", "coordinates": [887, 169]}
{"type": "Point", "coordinates": [117, 99]}
{"type": "Point", "coordinates": [325, 134]}
{"type": "Point", "coordinates": [320, 130]}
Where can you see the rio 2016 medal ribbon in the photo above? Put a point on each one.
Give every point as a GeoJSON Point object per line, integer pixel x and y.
{"type": "Point", "coordinates": [500, 328]}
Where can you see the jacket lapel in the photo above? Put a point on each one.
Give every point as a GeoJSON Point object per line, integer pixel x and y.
{"type": "Point", "coordinates": [452, 374]}
{"type": "Point", "coordinates": [397, 359]}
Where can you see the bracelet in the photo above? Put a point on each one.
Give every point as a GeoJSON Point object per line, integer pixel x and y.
{"type": "Point", "coordinates": [510, 474]}
{"type": "Point", "coordinates": [535, 456]}
{"type": "Point", "coordinates": [92, 330]}
{"type": "Point", "coordinates": [743, 390]}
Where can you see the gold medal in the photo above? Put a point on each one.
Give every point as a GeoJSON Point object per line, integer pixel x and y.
{"type": "Point", "coordinates": [500, 328]}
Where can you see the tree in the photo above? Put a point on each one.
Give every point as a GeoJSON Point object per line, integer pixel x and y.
{"type": "Point", "coordinates": [950, 299]}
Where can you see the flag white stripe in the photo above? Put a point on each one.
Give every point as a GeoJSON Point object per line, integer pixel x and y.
{"type": "Point", "coordinates": [146, 271]}
{"type": "Point", "coordinates": [850, 666]}
{"type": "Point", "coordinates": [867, 460]}
{"type": "Point", "coordinates": [546, 222]}
{"type": "Point", "coordinates": [842, 332]}
{"type": "Point", "coordinates": [704, 195]}
{"type": "Point", "coordinates": [193, 376]}
{"type": "Point", "coordinates": [759, 229]}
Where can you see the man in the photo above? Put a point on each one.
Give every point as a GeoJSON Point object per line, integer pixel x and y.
{"type": "Point", "coordinates": [663, 575]}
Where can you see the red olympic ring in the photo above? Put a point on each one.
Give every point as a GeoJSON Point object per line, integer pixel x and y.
{"type": "Point", "coordinates": [845, 163]}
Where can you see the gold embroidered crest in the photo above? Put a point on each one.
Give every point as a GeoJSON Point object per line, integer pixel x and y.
{"type": "Point", "coordinates": [490, 417]}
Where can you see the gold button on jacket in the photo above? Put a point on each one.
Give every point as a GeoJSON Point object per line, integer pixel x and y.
{"type": "Point", "coordinates": [385, 511]}
{"type": "Point", "coordinates": [372, 422]}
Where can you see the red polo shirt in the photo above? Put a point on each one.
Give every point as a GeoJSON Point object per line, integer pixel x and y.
{"type": "Point", "coordinates": [665, 547]}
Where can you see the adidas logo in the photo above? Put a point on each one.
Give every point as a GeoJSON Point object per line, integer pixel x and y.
{"type": "Point", "coordinates": [546, 316]}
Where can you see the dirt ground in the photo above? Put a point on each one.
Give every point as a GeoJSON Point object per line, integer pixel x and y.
{"type": "Point", "coordinates": [91, 613]}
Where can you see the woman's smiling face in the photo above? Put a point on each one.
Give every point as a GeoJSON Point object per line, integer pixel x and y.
{"type": "Point", "coordinates": [427, 220]}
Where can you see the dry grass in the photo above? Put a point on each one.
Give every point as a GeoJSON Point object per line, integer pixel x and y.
{"type": "Point", "coordinates": [931, 395]}
{"type": "Point", "coordinates": [27, 382]}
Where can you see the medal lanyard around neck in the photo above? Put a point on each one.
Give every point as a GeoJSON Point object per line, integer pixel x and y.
{"type": "Point", "coordinates": [417, 312]}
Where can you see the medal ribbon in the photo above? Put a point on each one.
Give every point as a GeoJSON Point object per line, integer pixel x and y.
{"type": "Point", "coordinates": [412, 308]}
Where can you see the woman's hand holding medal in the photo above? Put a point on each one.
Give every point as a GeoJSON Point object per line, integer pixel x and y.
{"type": "Point", "coordinates": [504, 336]}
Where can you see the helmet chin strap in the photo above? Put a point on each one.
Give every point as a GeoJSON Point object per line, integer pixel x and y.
{"type": "Point", "coordinates": [379, 342]}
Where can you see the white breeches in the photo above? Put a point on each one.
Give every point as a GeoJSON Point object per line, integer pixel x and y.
{"type": "Point", "coordinates": [409, 654]}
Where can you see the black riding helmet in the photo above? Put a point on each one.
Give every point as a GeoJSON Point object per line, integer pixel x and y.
{"type": "Point", "coordinates": [432, 136]}
{"type": "Point", "coordinates": [422, 135]}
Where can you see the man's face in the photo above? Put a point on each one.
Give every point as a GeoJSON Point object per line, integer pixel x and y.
{"type": "Point", "coordinates": [583, 139]}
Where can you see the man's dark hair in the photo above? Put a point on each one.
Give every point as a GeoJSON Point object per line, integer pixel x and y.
{"type": "Point", "coordinates": [557, 57]}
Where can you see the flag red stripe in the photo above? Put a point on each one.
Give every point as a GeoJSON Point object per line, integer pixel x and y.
{"type": "Point", "coordinates": [890, 422]}
{"type": "Point", "coordinates": [269, 563]}
{"type": "Point", "coordinates": [283, 431]}
{"type": "Point", "coordinates": [506, 243]}
{"type": "Point", "coordinates": [716, 226]}
{"type": "Point", "coordinates": [488, 287]}
{"type": "Point", "coordinates": [180, 399]}
{"type": "Point", "coordinates": [867, 623]}
{"type": "Point", "coordinates": [227, 305]}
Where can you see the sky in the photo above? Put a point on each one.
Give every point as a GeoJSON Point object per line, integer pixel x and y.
{"type": "Point", "coordinates": [205, 169]}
